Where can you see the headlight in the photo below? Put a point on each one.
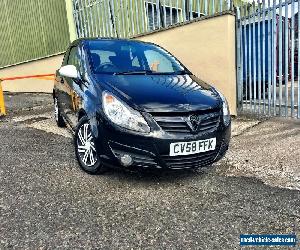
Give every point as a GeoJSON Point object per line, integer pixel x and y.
{"type": "Point", "coordinates": [226, 113]}
{"type": "Point", "coordinates": [122, 115]}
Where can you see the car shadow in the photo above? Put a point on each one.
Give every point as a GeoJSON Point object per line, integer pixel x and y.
{"type": "Point", "coordinates": [154, 176]}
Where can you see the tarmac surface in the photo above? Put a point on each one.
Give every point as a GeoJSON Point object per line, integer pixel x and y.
{"type": "Point", "coordinates": [47, 202]}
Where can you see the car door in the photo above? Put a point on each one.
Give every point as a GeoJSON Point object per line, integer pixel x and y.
{"type": "Point", "coordinates": [70, 98]}
{"type": "Point", "coordinates": [59, 84]}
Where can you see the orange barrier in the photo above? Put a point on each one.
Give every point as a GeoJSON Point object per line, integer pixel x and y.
{"type": "Point", "coordinates": [44, 77]}
{"type": "Point", "coordinates": [2, 103]}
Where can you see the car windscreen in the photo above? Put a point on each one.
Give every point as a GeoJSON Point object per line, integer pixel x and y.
{"type": "Point", "coordinates": [130, 57]}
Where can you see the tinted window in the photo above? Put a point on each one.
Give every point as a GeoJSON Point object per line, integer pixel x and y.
{"type": "Point", "coordinates": [74, 57]}
{"type": "Point", "coordinates": [126, 56]}
{"type": "Point", "coordinates": [158, 62]}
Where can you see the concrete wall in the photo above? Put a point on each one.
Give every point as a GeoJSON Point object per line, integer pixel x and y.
{"type": "Point", "coordinates": [207, 48]}
{"type": "Point", "coordinates": [39, 67]}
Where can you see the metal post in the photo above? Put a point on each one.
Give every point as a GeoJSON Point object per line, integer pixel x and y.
{"type": "Point", "coordinates": [274, 61]}
{"type": "Point", "coordinates": [239, 52]}
{"type": "Point", "coordinates": [228, 4]}
{"type": "Point", "coordinates": [177, 11]}
{"type": "Point", "coordinates": [292, 58]}
{"type": "Point", "coordinates": [109, 19]}
{"type": "Point", "coordinates": [165, 13]}
{"type": "Point", "coordinates": [191, 10]}
{"type": "Point", "coordinates": [142, 13]}
{"type": "Point", "coordinates": [254, 55]}
{"type": "Point", "coordinates": [171, 12]}
{"type": "Point", "coordinates": [122, 19]}
{"type": "Point", "coordinates": [96, 18]}
{"type": "Point", "coordinates": [112, 17]}
{"type": "Point", "coordinates": [87, 18]}
{"type": "Point", "coordinates": [246, 54]}
{"type": "Point", "coordinates": [103, 21]}
{"type": "Point", "coordinates": [241, 60]}
{"type": "Point", "coordinates": [83, 22]}
{"type": "Point", "coordinates": [99, 18]}
{"type": "Point", "coordinates": [92, 33]}
{"type": "Point", "coordinates": [158, 14]}
{"type": "Point", "coordinates": [269, 58]}
{"type": "Point", "coordinates": [264, 56]}
{"type": "Point", "coordinates": [259, 57]}
{"type": "Point", "coordinates": [132, 19]}
{"type": "Point", "coordinates": [250, 60]}
{"type": "Point", "coordinates": [286, 56]}
{"type": "Point", "coordinates": [298, 37]}
{"type": "Point", "coordinates": [137, 17]}
{"type": "Point", "coordinates": [280, 56]}
{"type": "Point", "coordinates": [76, 20]}
{"type": "Point", "coordinates": [147, 26]}
{"type": "Point", "coordinates": [2, 104]}
{"type": "Point", "coordinates": [153, 16]}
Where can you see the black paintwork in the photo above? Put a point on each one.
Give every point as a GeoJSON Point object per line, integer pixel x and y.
{"type": "Point", "coordinates": [150, 94]}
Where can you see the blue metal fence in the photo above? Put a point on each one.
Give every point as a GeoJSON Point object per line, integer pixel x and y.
{"type": "Point", "coordinates": [267, 58]}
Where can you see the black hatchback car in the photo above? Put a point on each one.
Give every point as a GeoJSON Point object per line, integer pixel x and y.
{"type": "Point", "coordinates": [134, 105]}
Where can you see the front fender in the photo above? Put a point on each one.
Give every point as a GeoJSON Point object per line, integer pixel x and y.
{"type": "Point", "coordinates": [91, 106]}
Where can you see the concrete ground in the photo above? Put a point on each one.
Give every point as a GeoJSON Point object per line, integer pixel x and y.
{"type": "Point", "coordinates": [46, 201]}
{"type": "Point", "coordinates": [26, 101]}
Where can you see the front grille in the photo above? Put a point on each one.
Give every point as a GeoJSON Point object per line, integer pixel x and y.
{"type": "Point", "coordinates": [179, 123]}
{"type": "Point", "coordinates": [175, 124]}
{"type": "Point", "coordinates": [190, 161]}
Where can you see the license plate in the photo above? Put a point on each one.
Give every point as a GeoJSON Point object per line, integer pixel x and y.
{"type": "Point", "coordinates": [192, 147]}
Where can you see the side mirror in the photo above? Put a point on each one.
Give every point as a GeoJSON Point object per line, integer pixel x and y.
{"type": "Point", "coordinates": [69, 71]}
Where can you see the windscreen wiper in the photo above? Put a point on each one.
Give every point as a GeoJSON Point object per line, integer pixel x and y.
{"type": "Point", "coordinates": [181, 72]}
{"type": "Point", "coordinates": [150, 72]}
{"type": "Point", "coordinates": [134, 72]}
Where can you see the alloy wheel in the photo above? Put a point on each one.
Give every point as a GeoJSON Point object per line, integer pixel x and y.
{"type": "Point", "coordinates": [86, 145]}
{"type": "Point", "coordinates": [56, 111]}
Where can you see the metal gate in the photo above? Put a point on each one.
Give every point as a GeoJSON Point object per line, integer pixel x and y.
{"type": "Point", "coordinates": [128, 18]}
{"type": "Point", "coordinates": [268, 66]}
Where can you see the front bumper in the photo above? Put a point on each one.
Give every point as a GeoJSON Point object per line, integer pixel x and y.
{"type": "Point", "coordinates": [152, 151]}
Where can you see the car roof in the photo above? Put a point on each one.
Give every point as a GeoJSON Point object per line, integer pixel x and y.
{"type": "Point", "coordinates": [83, 40]}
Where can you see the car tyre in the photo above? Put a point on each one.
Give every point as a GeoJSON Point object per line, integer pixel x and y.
{"type": "Point", "coordinates": [58, 117]}
{"type": "Point", "coordinates": [85, 150]}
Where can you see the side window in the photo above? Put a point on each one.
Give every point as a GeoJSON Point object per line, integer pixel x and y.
{"type": "Point", "coordinates": [101, 56]}
{"type": "Point", "coordinates": [74, 58]}
{"type": "Point", "coordinates": [158, 62]}
{"type": "Point", "coordinates": [136, 62]}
